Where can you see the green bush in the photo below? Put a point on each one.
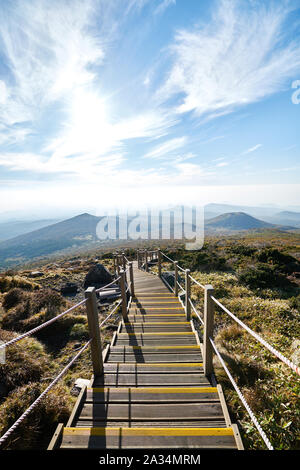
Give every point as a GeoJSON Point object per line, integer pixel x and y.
{"type": "Point", "coordinates": [36, 430]}
{"type": "Point", "coordinates": [262, 276]}
{"type": "Point", "coordinates": [282, 261]}
{"type": "Point", "coordinates": [79, 332]}
{"type": "Point", "coordinates": [12, 298]}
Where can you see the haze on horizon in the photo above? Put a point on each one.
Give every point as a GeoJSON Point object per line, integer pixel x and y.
{"type": "Point", "coordinates": [130, 103]}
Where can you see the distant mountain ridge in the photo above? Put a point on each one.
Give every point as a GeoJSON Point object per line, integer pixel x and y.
{"type": "Point", "coordinates": [15, 228]}
{"type": "Point", "coordinates": [80, 231]}
{"type": "Point", "coordinates": [239, 221]}
{"type": "Point", "coordinates": [76, 231]}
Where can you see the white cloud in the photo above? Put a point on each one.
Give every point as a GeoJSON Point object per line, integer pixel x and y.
{"type": "Point", "coordinates": [48, 51]}
{"type": "Point", "coordinates": [252, 149]}
{"type": "Point", "coordinates": [160, 151]}
{"type": "Point", "coordinates": [163, 6]}
{"type": "Point", "coordinates": [243, 55]}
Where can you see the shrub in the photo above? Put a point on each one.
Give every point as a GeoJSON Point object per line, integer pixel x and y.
{"type": "Point", "coordinates": [262, 276]}
{"type": "Point", "coordinates": [79, 331]}
{"type": "Point", "coordinates": [24, 363]}
{"type": "Point", "coordinates": [12, 298]}
{"type": "Point", "coordinates": [282, 261]}
{"type": "Point", "coordinates": [47, 299]}
{"type": "Point", "coordinates": [12, 320]}
{"type": "Point", "coordinates": [37, 429]}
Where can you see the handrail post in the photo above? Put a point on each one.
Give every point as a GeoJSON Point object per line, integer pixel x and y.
{"type": "Point", "coordinates": [146, 260]}
{"type": "Point", "coordinates": [118, 264]}
{"type": "Point", "coordinates": [123, 295]}
{"type": "Point", "coordinates": [208, 330]}
{"type": "Point", "coordinates": [159, 262]}
{"type": "Point", "coordinates": [131, 279]}
{"type": "Point", "coordinates": [138, 259]}
{"type": "Point", "coordinates": [94, 330]}
{"type": "Point", "coordinates": [123, 260]}
{"type": "Point", "coordinates": [176, 278]}
{"type": "Point", "coordinates": [187, 294]}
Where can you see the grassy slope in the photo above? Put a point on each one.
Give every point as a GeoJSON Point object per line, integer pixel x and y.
{"type": "Point", "coordinates": [32, 364]}
{"type": "Point", "coordinates": [271, 389]}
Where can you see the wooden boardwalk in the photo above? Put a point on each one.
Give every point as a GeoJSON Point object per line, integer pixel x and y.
{"type": "Point", "coordinates": [153, 393]}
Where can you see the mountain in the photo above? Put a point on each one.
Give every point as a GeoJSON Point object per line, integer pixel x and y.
{"type": "Point", "coordinates": [236, 221]}
{"type": "Point", "coordinates": [14, 228]}
{"type": "Point", "coordinates": [261, 211]}
{"type": "Point", "coordinates": [70, 233]}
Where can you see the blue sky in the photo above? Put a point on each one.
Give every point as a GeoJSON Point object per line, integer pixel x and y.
{"type": "Point", "coordinates": [109, 103]}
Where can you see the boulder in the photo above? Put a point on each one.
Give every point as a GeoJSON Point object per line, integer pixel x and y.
{"type": "Point", "coordinates": [98, 276]}
{"type": "Point", "coordinates": [78, 385]}
{"type": "Point", "coordinates": [36, 274]}
{"type": "Point", "coordinates": [69, 288]}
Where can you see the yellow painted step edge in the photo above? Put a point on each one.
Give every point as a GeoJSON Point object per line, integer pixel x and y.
{"type": "Point", "coordinates": [159, 323]}
{"type": "Point", "coordinates": [178, 333]}
{"type": "Point", "coordinates": [155, 389]}
{"type": "Point", "coordinates": [148, 431]}
{"type": "Point", "coordinates": [154, 348]}
{"type": "Point", "coordinates": [159, 308]}
{"type": "Point", "coordinates": [157, 315]}
{"type": "Point", "coordinates": [159, 364]}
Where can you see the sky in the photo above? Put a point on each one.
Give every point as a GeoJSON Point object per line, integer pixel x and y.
{"type": "Point", "coordinates": [124, 103]}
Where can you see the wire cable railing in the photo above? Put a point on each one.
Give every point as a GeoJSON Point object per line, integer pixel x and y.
{"type": "Point", "coordinates": [94, 342]}
{"type": "Point", "coordinates": [6, 435]}
{"type": "Point", "coordinates": [209, 301]}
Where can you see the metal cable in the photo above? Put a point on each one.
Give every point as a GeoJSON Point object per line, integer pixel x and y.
{"type": "Point", "coordinates": [196, 312]}
{"type": "Point", "coordinates": [197, 282]}
{"type": "Point", "coordinates": [172, 261]}
{"type": "Point", "coordinates": [258, 338]}
{"type": "Point", "coordinates": [43, 325]}
{"type": "Point", "coordinates": [111, 313]}
{"type": "Point", "coordinates": [242, 398]}
{"type": "Point", "coordinates": [35, 403]}
{"type": "Point", "coordinates": [107, 285]}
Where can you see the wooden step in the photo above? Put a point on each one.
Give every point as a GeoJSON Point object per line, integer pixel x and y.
{"type": "Point", "coordinates": [153, 367]}
{"type": "Point", "coordinates": [155, 358]}
{"type": "Point", "coordinates": [144, 341]}
{"type": "Point", "coordinates": [187, 348]}
{"type": "Point", "coordinates": [152, 395]}
{"type": "Point", "coordinates": [142, 438]}
{"type": "Point", "coordinates": [154, 327]}
{"type": "Point", "coordinates": [156, 318]}
{"type": "Point", "coordinates": [148, 379]}
{"type": "Point", "coordinates": [150, 411]}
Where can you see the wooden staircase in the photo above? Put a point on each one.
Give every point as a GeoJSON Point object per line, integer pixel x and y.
{"type": "Point", "coordinates": [153, 393]}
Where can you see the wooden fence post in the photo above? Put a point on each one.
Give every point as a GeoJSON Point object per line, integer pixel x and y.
{"type": "Point", "coordinates": [208, 330]}
{"type": "Point", "coordinates": [94, 330]}
{"type": "Point", "coordinates": [123, 295]}
{"type": "Point", "coordinates": [159, 262]}
{"type": "Point", "coordinates": [176, 278]}
{"type": "Point", "coordinates": [124, 261]}
{"type": "Point", "coordinates": [187, 294]}
{"type": "Point", "coordinates": [138, 259]}
{"type": "Point", "coordinates": [131, 279]}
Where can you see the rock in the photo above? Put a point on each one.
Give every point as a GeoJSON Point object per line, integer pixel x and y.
{"type": "Point", "coordinates": [295, 346]}
{"type": "Point", "coordinates": [98, 276]}
{"type": "Point", "coordinates": [78, 385]}
{"type": "Point", "coordinates": [169, 276]}
{"type": "Point", "coordinates": [36, 274]}
{"type": "Point", "coordinates": [69, 288]}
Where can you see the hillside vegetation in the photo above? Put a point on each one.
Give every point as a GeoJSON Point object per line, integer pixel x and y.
{"type": "Point", "coordinates": [32, 363]}
{"type": "Point", "coordinates": [258, 280]}
{"type": "Point", "coordinates": [255, 276]}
